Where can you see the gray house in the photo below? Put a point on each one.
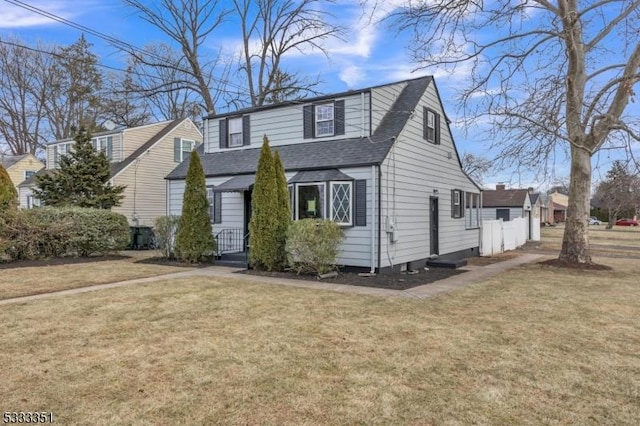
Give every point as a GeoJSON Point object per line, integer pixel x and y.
{"type": "Point", "coordinates": [379, 161]}
{"type": "Point", "coordinates": [508, 204]}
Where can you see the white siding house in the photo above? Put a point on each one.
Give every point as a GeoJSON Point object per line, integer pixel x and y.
{"type": "Point", "coordinates": [387, 150]}
{"type": "Point", "coordinates": [509, 204]}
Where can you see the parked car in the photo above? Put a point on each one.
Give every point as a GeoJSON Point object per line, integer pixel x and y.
{"type": "Point", "coordinates": [626, 222]}
{"type": "Point", "coordinates": [594, 221]}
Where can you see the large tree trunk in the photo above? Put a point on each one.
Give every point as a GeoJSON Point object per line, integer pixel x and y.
{"type": "Point", "coordinates": [575, 242]}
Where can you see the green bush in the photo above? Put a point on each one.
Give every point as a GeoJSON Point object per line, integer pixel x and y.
{"type": "Point", "coordinates": [313, 245]}
{"type": "Point", "coordinates": [8, 194]}
{"type": "Point", "coordinates": [55, 232]}
{"type": "Point", "coordinates": [166, 230]}
{"type": "Point", "coordinates": [194, 241]}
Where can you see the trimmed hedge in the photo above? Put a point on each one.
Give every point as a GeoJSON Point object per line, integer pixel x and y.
{"type": "Point", "coordinates": [70, 231]}
{"type": "Point", "coordinates": [313, 245]}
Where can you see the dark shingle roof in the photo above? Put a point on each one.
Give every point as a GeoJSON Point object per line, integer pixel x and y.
{"type": "Point", "coordinates": [119, 166]}
{"type": "Point", "coordinates": [534, 198]}
{"type": "Point", "coordinates": [504, 197]}
{"type": "Point", "coordinates": [317, 155]}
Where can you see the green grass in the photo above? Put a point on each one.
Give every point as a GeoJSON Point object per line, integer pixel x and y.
{"type": "Point", "coordinates": [535, 345]}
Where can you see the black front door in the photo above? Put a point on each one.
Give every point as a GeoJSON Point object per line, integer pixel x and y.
{"type": "Point", "coordinates": [434, 223]}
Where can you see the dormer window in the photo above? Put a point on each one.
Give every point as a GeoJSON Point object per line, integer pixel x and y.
{"type": "Point", "coordinates": [235, 132]}
{"type": "Point", "coordinates": [324, 120]}
{"type": "Point", "coordinates": [103, 144]}
{"type": "Point", "coordinates": [431, 126]}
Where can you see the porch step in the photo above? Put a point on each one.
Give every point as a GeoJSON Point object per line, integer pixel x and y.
{"type": "Point", "coordinates": [450, 264]}
{"type": "Point", "coordinates": [231, 263]}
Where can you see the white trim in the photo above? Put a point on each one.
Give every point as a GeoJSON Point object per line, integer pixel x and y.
{"type": "Point", "coordinates": [330, 205]}
{"type": "Point", "coordinates": [317, 121]}
{"type": "Point", "coordinates": [229, 134]}
{"type": "Point", "coordinates": [324, 193]}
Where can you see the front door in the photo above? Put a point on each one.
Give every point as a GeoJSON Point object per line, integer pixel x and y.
{"type": "Point", "coordinates": [434, 224]}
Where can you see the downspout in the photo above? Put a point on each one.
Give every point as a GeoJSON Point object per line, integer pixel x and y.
{"type": "Point", "coordinates": [379, 215]}
{"type": "Point", "coordinates": [373, 219]}
{"type": "Point", "coordinates": [480, 214]}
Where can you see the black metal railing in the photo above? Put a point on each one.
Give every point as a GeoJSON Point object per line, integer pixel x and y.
{"type": "Point", "coordinates": [230, 240]}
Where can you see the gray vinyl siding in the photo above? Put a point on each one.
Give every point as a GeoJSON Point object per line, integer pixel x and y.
{"type": "Point", "coordinates": [284, 126]}
{"type": "Point", "coordinates": [382, 99]}
{"type": "Point", "coordinates": [411, 173]}
{"type": "Point", "coordinates": [489, 213]}
{"type": "Point", "coordinates": [356, 248]}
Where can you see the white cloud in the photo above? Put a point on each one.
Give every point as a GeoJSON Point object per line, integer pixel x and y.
{"type": "Point", "coordinates": [18, 17]}
{"type": "Point", "coordinates": [352, 75]}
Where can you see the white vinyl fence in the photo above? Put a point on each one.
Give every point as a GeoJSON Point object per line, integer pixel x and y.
{"type": "Point", "coordinates": [499, 236]}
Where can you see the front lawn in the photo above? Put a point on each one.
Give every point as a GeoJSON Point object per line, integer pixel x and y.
{"type": "Point", "coordinates": [26, 281]}
{"type": "Point", "coordinates": [535, 345]}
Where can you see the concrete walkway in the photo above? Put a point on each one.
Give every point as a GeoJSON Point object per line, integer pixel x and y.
{"type": "Point", "coordinates": [474, 274]}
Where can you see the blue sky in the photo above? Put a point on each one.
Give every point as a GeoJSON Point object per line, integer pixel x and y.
{"type": "Point", "coordinates": [371, 54]}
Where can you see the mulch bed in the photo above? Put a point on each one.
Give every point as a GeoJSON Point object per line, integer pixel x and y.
{"type": "Point", "coordinates": [397, 281]}
{"type": "Point", "coordinates": [54, 261]}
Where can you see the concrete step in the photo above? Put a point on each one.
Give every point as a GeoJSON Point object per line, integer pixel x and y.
{"type": "Point", "coordinates": [451, 264]}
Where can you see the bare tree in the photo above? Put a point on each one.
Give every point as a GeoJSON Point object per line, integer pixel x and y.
{"type": "Point", "coordinates": [72, 99]}
{"type": "Point", "coordinates": [476, 166]}
{"type": "Point", "coordinates": [166, 90]}
{"type": "Point", "coordinates": [189, 23]}
{"type": "Point", "coordinates": [24, 83]}
{"type": "Point", "coordinates": [545, 73]}
{"type": "Point", "coordinates": [270, 30]}
{"type": "Point", "coordinates": [121, 103]}
{"type": "Point", "coordinates": [619, 192]}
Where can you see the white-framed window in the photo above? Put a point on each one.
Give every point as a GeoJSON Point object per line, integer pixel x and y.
{"type": "Point", "coordinates": [431, 126]}
{"type": "Point", "coordinates": [29, 173]}
{"type": "Point", "coordinates": [291, 202]}
{"type": "Point", "coordinates": [457, 210]}
{"type": "Point", "coordinates": [235, 132]}
{"type": "Point", "coordinates": [60, 151]}
{"type": "Point", "coordinates": [472, 209]}
{"type": "Point", "coordinates": [311, 200]}
{"type": "Point", "coordinates": [341, 202]}
{"type": "Point", "coordinates": [325, 125]}
{"type": "Point", "coordinates": [32, 201]}
{"type": "Point", "coordinates": [186, 146]}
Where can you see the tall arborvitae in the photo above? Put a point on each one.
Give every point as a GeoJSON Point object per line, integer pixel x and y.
{"type": "Point", "coordinates": [8, 194]}
{"type": "Point", "coordinates": [195, 242]}
{"type": "Point", "coordinates": [282, 212]}
{"type": "Point", "coordinates": [263, 226]}
{"type": "Point", "coordinates": [82, 179]}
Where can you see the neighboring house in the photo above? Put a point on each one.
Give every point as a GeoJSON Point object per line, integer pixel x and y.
{"type": "Point", "coordinates": [508, 204]}
{"type": "Point", "coordinates": [379, 161]}
{"type": "Point", "coordinates": [20, 168]}
{"type": "Point", "coordinates": [540, 204]}
{"type": "Point", "coordinates": [558, 207]}
{"type": "Point", "coordinates": [140, 159]}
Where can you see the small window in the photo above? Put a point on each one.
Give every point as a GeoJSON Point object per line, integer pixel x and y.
{"type": "Point", "coordinates": [186, 146]}
{"type": "Point", "coordinates": [28, 174]}
{"type": "Point", "coordinates": [341, 196]}
{"type": "Point", "coordinates": [214, 200]}
{"type": "Point", "coordinates": [324, 120]}
{"type": "Point", "coordinates": [457, 209]}
{"type": "Point", "coordinates": [472, 210]}
{"type": "Point", "coordinates": [210, 201]}
{"type": "Point", "coordinates": [431, 126]}
{"type": "Point", "coordinates": [310, 198]}
{"type": "Point", "coordinates": [503, 214]}
{"type": "Point", "coordinates": [32, 202]}
{"type": "Point", "coordinates": [60, 151]}
{"type": "Point", "coordinates": [235, 132]}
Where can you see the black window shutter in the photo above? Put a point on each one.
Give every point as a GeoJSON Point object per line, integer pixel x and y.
{"type": "Point", "coordinates": [436, 138]}
{"type": "Point", "coordinates": [217, 207]}
{"type": "Point", "coordinates": [425, 120]}
{"type": "Point", "coordinates": [361, 202]}
{"type": "Point", "coordinates": [338, 117]}
{"type": "Point", "coordinates": [246, 130]}
{"type": "Point", "coordinates": [462, 203]}
{"type": "Point", "coordinates": [223, 133]}
{"type": "Point", "coordinates": [308, 122]}
{"type": "Point", "coordinates": [176, 149]}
